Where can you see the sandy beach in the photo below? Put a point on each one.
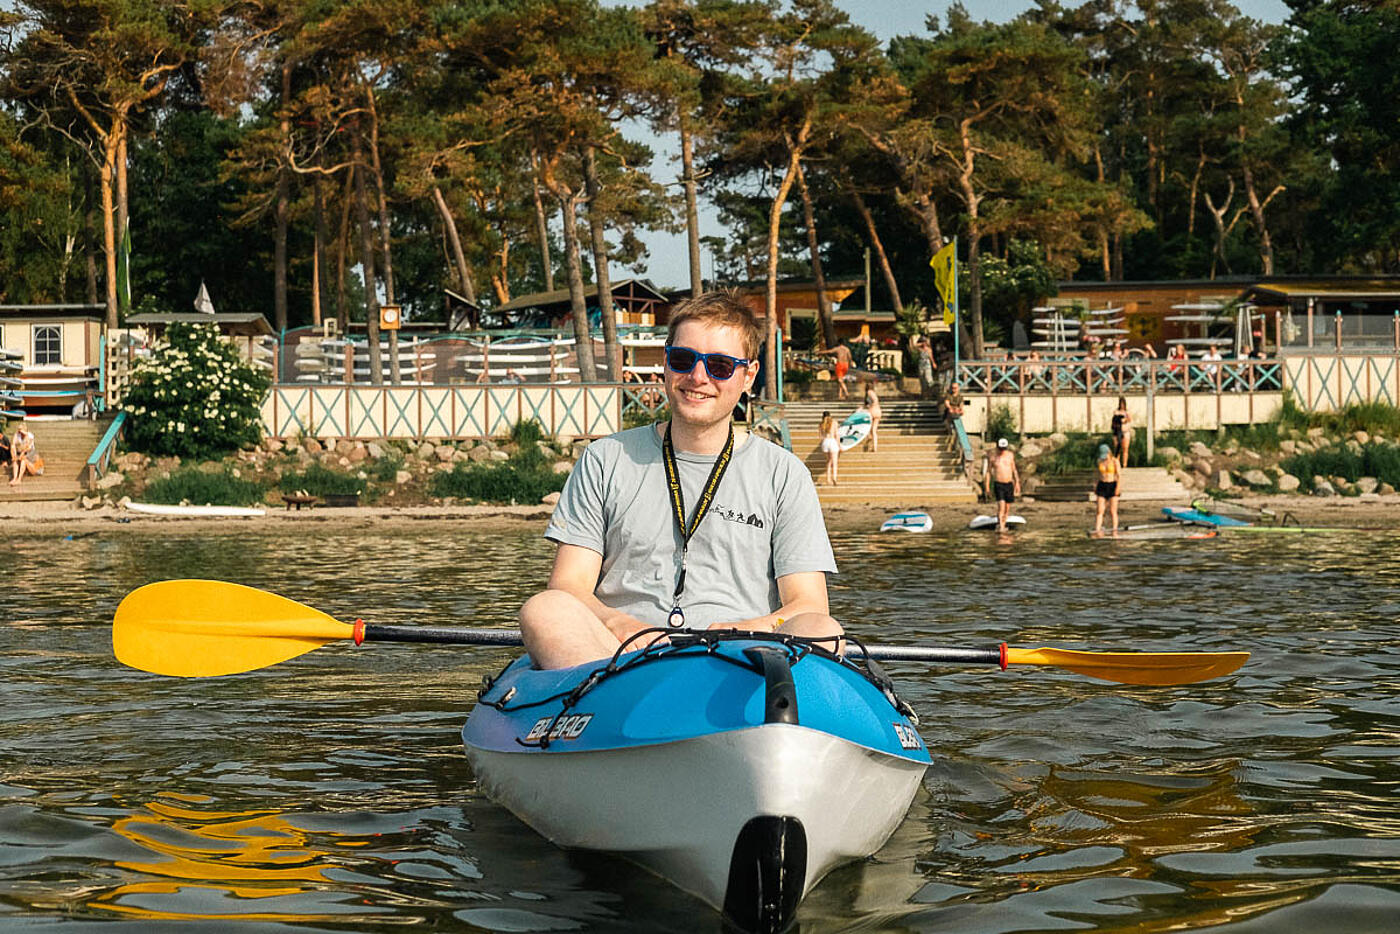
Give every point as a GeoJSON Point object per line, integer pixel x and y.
{"type": "Point", "coordinates": [46, 519]}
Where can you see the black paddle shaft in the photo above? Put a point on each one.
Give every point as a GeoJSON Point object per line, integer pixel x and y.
{"type": "Point", "coordinates": [892, 653]}
{"type": "Point", "coordinates": [432, 634]}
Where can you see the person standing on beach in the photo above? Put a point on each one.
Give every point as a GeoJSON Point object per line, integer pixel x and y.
{"type": "Point", "coordinates": [831, 445]}
{"type": "Point", "coordinates": [1002, 479]}
{"type": "Point", "coordinates": [926, 367]}
{"type": "Point", "coordinates": [872, 405]}
{"type": "Point", "coordinates": [1122, 431]}
{"type": "Point", "coordinates": [1107, 490]}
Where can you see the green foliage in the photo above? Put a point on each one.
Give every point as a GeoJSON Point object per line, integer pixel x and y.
{"type": "Point", "coordinates": [527, 432]}
{"type": "Point", "coordinates": [319, 480]}
{"type": "Point", "coordinates": [525, 478]}
{"type": "Point", "coordinates": [1079, 452]}
{"type": "Point", "coordinates": [202, 487]}
{"type": "Point", "coordinates": [798, 378]}
{"type": "Point", "coordinates": [1376, 459]}
{"type": "Point", "coordinates": [386, 469]}
{"type": "Point", "coordinates": [195, 396]}
{"type": "Point", "coordinates": [1001, 423]}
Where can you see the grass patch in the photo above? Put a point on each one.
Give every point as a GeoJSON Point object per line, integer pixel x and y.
{"type": "Point", "coordinates": [319, 480]}
{"type": "Point", "coordinates": [192, 485]}
{"type": "Point", "coordinates": [525, 478]}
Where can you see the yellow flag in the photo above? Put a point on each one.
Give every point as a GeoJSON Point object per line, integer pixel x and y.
{"type": "Point", "coordinates": [944, 278]}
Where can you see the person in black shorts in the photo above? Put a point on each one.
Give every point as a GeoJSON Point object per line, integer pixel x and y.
{"type": "Point", "coordinates": [1003, 476]}
{"type": "Point", "coordinates": [1107, 489]}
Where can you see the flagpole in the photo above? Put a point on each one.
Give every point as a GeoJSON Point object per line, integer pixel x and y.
{"type": "Point", "coordinates": [957, 329]}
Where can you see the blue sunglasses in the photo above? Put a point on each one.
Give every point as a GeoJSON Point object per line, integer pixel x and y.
{"type": "Point", "coordinates": [718, 365]}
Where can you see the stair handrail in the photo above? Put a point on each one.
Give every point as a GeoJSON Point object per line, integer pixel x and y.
{"type": "Point", "coordinates": [101, 455]}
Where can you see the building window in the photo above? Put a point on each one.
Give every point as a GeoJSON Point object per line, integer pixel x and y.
{"type": "Point", "coordinates": [48, 344]}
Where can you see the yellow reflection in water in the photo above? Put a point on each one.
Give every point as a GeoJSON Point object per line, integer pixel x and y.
{"type": "Point", "coordinates": [226, 854]}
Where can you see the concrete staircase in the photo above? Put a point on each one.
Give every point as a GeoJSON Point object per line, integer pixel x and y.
{"type": "Point", "coordinates": [65, 446]}
{"type": "Point", "coordinates": [1139, 483]}
{"type": "Point", "coordinates": [918, 463]}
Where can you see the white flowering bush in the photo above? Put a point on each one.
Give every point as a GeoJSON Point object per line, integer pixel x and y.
{"type": "Point", "coordinates": [195, 396]}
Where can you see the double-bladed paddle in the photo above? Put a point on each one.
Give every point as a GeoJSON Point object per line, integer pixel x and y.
{"type": "Point", "coordinates": [198, 628]}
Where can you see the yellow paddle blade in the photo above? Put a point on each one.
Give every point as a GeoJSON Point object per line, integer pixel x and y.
{"type": "Point", "coordinates": [196, 628]}
{"type": "Point", "coordinates": [1155, 668]}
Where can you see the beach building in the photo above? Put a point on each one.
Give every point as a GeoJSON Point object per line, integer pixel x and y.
{"type": "Point", "coordinates": [60, 350]}
{"type": "Point", "coordinates": [636, 302]}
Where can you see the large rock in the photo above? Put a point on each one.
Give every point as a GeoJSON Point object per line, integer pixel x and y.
{"type": "Point", "coordinates": [344, 446]}
{"type": "Point", "coordinates": [479, 454]}
{"type": "Point", "coordinates": [562, 466]}
{"type": "Point", "coordinates": [1287, 483]}
{"type": "Point", "coordinates": [312, 446]}
{"type": "Point", "coordinates": [1303, 447]}
{"type": "Point", "coordinates": [1169, 453]}
{"type": "Point", "coordinates": [272, 445]}
{"type": "Point", "coordinates": [1198, 449]}
{"type": "Point", "coordinates": [358, 454]}
{"type": "Point", "coordinates": [1368, 484]}
{"type": "Point", "coordinates": [110, 479]}
{"type": "Point", "coordinates": [497, 456]}
{"type": "Point", "coordinates": [1030, 448]}
{"type": "Point", "coordinates": [1057, 439]}
{"type": "Point", "coordinates": [1353, 446]}
{"type": "Point", "coordinates": [426, 450]}
{"type": "Point", "coordinates": [1188, 480]}
{"type": "Point", "coordinates": [375, 450]}
{"type": "Point", "coordinates": [1315, 434]}
{"type": "Point", "coordinates": [1386, 490]}
{"type": "Point", "coordinates": [1361, 437]}
{"type": "Point", "coordinates": [1223, 481]}
{"type": "Point", "coordinates": [549, 499]}
{"type": "Point", "coordinates": [1202, 467]}
{"type": "Point", "coordinates": [445, 453]}
{"type": "Point", "coordinates": [401, 477]}
{"type": "Point", "coordinates": [1257, 477]}
{"type": "Point", "coordinates": [1289, 447]}
{"type": "Point", "coordinates": [1323, 487]}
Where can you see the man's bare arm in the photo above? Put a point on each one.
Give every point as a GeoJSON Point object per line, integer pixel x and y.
{"type": "Point", "coordinates": [576, 571]}
{"type": "Point", "coordinates": [803, 592]}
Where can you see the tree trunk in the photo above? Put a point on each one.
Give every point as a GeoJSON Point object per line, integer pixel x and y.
{"type": "Point", "coordinates": [107, 182]}
{"type": "Point", "coordinates": [541, 227]}
{"type": "Point", "coordinates": [692, 212]}
{"type": "Point", "coordinates": [454, 241]}
{"type": "Point", "coordinates": [885, 271]}
{"type": "Point", "coordinates": [1256, 211]}
{"type": "Point", "coordinates": [382, 197]}
{"type": "Point", "coordinates": [90, 235]}
{"type": "Point", "coordinates": [971, 201]}
{"type": "Point", "coordinates": [376, 371]}
{"type": "Point", "coordinates": [342, 247]}
{"type": "Point", "coordinates": [600, 264]}
{"type": "Point", "coordinates": [823, 306]}
{"type": "Point", "coordinates": [771, 362]}
{"type": "Point", "coordinates": [578, 308]}
{"type": "Point", "coordinates": [927, 213]}
{"type": "Point", "coordinates": [282, 210]}
{"type": "Point", "coordinates": [318, 256]}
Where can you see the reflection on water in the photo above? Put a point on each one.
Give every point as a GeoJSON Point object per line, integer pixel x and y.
{"type": "Point", "coordinates": [330, 792]}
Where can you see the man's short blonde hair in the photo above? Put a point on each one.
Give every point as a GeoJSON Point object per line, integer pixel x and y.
{"type": "Point", "coordinates": [722, 308]}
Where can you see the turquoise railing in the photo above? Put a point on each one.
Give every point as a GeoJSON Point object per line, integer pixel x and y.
{"type": "Point", "coordinates": [101, 455]}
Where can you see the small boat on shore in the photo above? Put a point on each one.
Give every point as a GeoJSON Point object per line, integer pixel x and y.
{"type": "Point", "coordinates": [740, 769]}
{"type": "Point", "coordinates": [162, 509]}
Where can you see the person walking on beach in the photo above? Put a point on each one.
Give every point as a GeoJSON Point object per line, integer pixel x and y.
{"type": "Point", "coordinates": [872, 406]}
{"type": "Point", "coordinates": [926, 366]}
{"type": "Point", "coordinates": [842, 354]}
{"type": "Point", "coordinates": [1122, 431]}
{"type": "Point", "coordinates": [1003, 480]}
{"type": "Point", "coordinates": [831, 445]}
{"type": "Point", "coordinates": [1107, 490]}
{"type": "Point", "coordinates": [686, 522]}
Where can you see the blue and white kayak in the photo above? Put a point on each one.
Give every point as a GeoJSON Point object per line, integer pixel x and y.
{"type": "Point", "coordinates": [908, 522]}
{"type": "Point", "coordinates": [741, 769]}
{"type": "Point", "coordinates": [1192, 514]}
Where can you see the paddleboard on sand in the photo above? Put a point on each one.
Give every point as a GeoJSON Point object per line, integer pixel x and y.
{"type": "Point", "coordinates": [1169, 530]}
{"type": "Point", "coordinates": [908, 522]}
{"type": "Point", "coordinates": [1190, 514]}
{"type": "Point", "coordinates": [161, 509]}
{"type": "Point", "coordinates": [990, 522]}
{"type": "Point", "coordinates": [854, 430]}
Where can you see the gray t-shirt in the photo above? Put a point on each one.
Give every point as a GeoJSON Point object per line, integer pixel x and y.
{"type": "Point", "coordinates": [765, 522]}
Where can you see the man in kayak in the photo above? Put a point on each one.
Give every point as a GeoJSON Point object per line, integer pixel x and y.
{"type": "Point", "coordinates": [686, 522]}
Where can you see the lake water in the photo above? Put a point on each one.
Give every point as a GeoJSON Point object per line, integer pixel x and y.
{"type": "Point", "coordinates": [330, 792]}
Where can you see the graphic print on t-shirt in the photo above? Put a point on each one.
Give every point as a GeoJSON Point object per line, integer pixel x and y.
{"type": "Point", "coordinates": [730, 514]}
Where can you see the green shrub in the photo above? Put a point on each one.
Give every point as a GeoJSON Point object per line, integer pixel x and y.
{"type": "Point", "coordinates": [1002, 424]}
{"type": "Point", "coordinates": [195, 397]}
{"type": "Point", "coordinates": [525, 478]}
{"type": "Point", "coordinates": [386, 469]}
{"type": "Point", "coordinates": [798, 378]}
{"type": "Point", "coordinates": [1376, 459]}
{"type": "Point", "coordinates": [1079, 452]}
{"type": "Point", "coordinates": [319, 480]}
{"type": "Point", "coordinates": [200, 487]}
{"type": "Point", "coordinates": [527, 432]}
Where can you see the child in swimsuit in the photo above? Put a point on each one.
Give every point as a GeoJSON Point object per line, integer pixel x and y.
{"type": "Point", "coordinates": [1106, 490]}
